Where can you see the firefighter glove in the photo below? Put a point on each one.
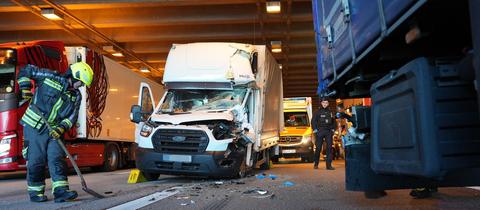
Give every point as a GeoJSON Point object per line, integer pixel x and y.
{"type": "Point", "coordinates": [27, 94]}
{"type": "Point", "coordinates": [57, 132]}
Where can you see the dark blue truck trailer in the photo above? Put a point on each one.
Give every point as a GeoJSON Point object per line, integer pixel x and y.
{"type": "Point", "coordinates": [419, 61]}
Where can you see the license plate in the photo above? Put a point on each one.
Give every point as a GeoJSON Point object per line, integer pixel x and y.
{"type": "Point", "coordinates": [178, 158]}
{"type": "Point", "coordinates": [288, 151]}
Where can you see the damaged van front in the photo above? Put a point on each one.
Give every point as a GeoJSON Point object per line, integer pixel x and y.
{"type": "Point", "coordinates": [212, 119]}
{"type": "Point", "coordinates": [196, 132]}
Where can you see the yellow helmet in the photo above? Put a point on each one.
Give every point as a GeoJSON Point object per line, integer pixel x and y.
{"type": "Point", "coordinates": [82, 71]}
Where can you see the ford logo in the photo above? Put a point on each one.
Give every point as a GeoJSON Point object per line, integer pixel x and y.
{"type": "Point", "coordinates": [178, 138]}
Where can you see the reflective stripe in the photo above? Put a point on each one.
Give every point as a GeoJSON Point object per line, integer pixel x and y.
{"type": "Point", "coordinates": [55, 109]}
{"type": "Point", "coordinates": [23, 79]}
{"type": "Point", "coordinates": [59, 184]}
{"type": "Point", "coordinates": [40, 188]}
{"type": "Point", "coordinates": [53, 84]}
{"type": "Point", "coordinates": [32, 114]}
{"type": "Point", "coordinates": [32, 123]}
{"type": "Point", "coordinates": [67, 121]}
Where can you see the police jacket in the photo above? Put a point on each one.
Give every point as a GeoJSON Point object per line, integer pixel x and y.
{"type": "Point", "coordinates": [323, 119]}
{"type": "Point", "coordinates": [53, 99]}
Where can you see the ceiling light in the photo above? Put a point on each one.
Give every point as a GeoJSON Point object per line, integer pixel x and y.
{"type": "Point", "coordinates": [274, 7]}
{"type": "Point", "coordinates": [280, 66]}
{"type": "Point", "coordinates": [276, 46]}
{"type": "Point", "coordinates": [117, 54]}
{"type": "Point", "coordinates": [277, 50]}
{"type": "Point", "coordinates": [51, 14]}
{"type": "Point", "coordinates": [113, 89]}
{"type": "Point", "coordinates": [144, 70]}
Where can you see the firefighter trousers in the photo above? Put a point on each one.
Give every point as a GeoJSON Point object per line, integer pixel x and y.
{"type": "Point", "coordinates": [43, 150]}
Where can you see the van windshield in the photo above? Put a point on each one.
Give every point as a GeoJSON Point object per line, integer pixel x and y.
{"type": "Point", "coordinates": [180, 101]}
{"type": "Point", "coordinates": [296, 119]}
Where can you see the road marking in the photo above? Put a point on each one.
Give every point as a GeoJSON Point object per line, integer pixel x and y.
{"type": "Point", "coordinates": [120, 173]}
{"type": "Point", "coordinates": [147, 200]}
{"type": "Point", "coordinates": [475, 188]}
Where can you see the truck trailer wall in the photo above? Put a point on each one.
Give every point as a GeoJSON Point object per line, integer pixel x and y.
{"type": "Point", "coordinates": [123, 92]}
{"type": "Point", "coordinates": [269, 100]}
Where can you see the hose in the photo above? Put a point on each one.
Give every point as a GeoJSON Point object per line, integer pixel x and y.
{"type": "Point", "coordinates": [97, 93]}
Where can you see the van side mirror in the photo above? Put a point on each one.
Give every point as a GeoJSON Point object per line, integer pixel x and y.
{"type": "Point", "coordinates": [136, 114]}
{"type": "Point", "coordinates": [254, 62]}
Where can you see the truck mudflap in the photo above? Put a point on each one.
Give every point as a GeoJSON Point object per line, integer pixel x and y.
{"type": "Point", "coordinates": [209, 164]}
{"type": "Point", "coordinates": [360, 177]}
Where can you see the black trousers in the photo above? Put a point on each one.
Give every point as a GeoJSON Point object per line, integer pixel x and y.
{"type": "Point", "coordinates": [323, 135]}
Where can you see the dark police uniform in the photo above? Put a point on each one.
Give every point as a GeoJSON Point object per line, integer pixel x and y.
{"type": "Point", "coordinates": [59, 106]}
{"type": "Point", "coordinates": [323, 122]}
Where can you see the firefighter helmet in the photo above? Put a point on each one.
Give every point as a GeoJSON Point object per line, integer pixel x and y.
{"type": "Point", "coordinates": [82, 71]}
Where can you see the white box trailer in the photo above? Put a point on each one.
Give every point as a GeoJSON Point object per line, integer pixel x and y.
{"type": "Point", "coordinates": [221, 114]}
{"type": "Point", "coordinates": [108, 140]}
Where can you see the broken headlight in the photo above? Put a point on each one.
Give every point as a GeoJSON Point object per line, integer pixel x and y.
{"type": "Point", "coordinates": [146, 130]}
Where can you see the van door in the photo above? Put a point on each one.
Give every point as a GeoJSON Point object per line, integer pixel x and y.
{"type": "Point", "coordinates": [147, 104]}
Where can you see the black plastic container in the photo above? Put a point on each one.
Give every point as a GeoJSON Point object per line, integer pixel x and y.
{"type": "Point", "coordinates": [425, 121]}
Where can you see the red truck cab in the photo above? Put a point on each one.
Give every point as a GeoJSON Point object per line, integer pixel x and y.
{"type": "Point", "coordinates": [13, 56]}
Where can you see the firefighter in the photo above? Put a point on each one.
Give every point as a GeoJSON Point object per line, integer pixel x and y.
{"type": "Point", "coordinates": [323, 125]}
{"type": "Point", "coordinates": [57, 99]}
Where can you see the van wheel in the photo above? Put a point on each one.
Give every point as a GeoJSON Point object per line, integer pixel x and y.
{"type": "Point", "coordinates": [150, 176]}
{"type": "Point", "coordinates": [242, 172]}
{"type": "Point", "coordinates": [111, 157]}
{"type": "Point", "coordinates": [267, 164]}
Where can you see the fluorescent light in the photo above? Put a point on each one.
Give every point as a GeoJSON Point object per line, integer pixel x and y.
{"type": "Point", "coordinates": [51, 14]}
{"type": "Point", "coordinates": [144, 70]}
{"type": "Point", "coordinates": [277, 50]}
{"type": "Point", "coordinates": [276, 46]}
{"type": "Point", "coordinates": [274, 7]}
{"type": "Point", "coordinates": [117, 54]}
{"type": "Point", "coordinates": [113, 89]}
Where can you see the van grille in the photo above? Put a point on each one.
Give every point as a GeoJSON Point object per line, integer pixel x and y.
{"type": "Point", "coordinates": [180, 141]}
{"type": "Point", "coordinates": [290, 139]}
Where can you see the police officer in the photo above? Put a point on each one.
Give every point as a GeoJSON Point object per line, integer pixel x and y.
{"type": "Point", "coordinates": [323, 125]}
{"type": "Point", "coordinates": [57, 99]}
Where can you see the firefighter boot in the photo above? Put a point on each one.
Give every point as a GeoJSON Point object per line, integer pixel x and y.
{"type": "Point", "coordinates": [62, 195]}
{"type": "Point", "coordinates": [37, 197]}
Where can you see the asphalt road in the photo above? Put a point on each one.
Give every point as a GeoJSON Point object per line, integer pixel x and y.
{"type": "Point", "coordinates": [289, 185]}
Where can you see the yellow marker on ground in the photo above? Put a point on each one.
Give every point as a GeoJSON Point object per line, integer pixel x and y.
{"type": "Point", "coordinates": [135, 177]}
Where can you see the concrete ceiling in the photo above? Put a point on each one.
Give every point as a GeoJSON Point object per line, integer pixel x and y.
{"type": "Point", "coordinates": [147, 29]}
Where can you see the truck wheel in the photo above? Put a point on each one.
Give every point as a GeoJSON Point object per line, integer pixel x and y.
{"type": "Point", "coordinates": [266, 165]}
{"type": "Point", "coordinates": [111, 157]}
{"type": "Point", "coordinates": [150, 176]}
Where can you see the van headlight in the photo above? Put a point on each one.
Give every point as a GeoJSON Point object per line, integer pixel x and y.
{"type": "Point", "coordinates": [306, 139]}
{"type": "Point", "coordinates": [146, 130]}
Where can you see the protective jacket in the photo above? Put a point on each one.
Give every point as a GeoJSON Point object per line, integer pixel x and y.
{"type": "Point", "coordinates": [52, 98]}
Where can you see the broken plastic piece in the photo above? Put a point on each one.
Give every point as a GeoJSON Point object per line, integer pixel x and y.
{"type": "Point", "coordinates": [288, 184]}
{"type": "Point", "coordinates": [271, 176]}
{"type": "Point", "coordinates": [262, 192]}
{"type": "Point", "coordinates": [260, 176]}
